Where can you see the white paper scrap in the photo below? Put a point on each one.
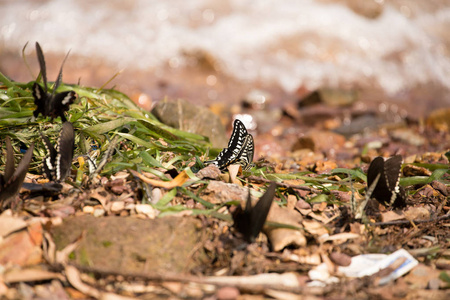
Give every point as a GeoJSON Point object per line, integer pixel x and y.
{"type": "Point", "coordinates": [369, 264]}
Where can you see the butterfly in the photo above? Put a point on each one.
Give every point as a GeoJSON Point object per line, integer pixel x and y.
{"type": "Point", "coordinates": [240, 149]}
{"type": "Point", "coordinates": [58, 161]}
{"type": "Point", "coordinates": [12, 179]}
{"type": "Point", "coordinates": [51, 105]}
{"type": "Point", "coordinates": [387, 190]}
{"type": "Point", "coordinates": [250, 221]}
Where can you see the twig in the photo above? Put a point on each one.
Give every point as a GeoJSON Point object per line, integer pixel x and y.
{"type": "Point", "coordinates": [158, 277]}
{"type": "Point", "coordinates": [287, 185]}
{"type": "Point", "coordinates": [406, 222]}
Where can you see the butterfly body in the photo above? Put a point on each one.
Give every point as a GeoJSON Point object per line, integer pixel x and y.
{"type": "Point", "coordinates": [240, 149]}
{"type": "Point", "coordinates": [57, 163]}
{"type": "Point", "coordinates": [387, 190]}
{"type": "Point", "coordinates": [50, 105]}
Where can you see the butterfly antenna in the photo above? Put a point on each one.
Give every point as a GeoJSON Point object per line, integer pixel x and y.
{"type": "Point", "coordinates": [41, 60]}
{"type": "Point", "coordinates": [59, 78]}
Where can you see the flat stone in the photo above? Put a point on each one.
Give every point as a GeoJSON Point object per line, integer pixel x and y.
{"type": "Point", "coordinates": [189, 117]}
{"type": "Point", "coordinates": [131, 244]}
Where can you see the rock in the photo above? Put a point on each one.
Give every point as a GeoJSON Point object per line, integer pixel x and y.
{"type": "Point", "coordinates": [227, 293]}
{"type": "Point", "coordinates": [192, 118]}
{"type": "Point", "coordinates": [319, 141]}
{"type": "Point", "coordinates": [409, 136]}
{"type": "Point", "coordinates": [439, 119]}
{"type": "Point", "coordinates": [330, 97]}
{"type": "Point", "coordinates": [340, 259]}
{"type": "Point", "coordinates": [133, 245]}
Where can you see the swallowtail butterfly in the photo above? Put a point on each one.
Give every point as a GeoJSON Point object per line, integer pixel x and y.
{"type": "Point", "coordinates": [51, 105]}
{"type": "Point", "coordinates": [240, 149]}
{"type": "Point", "coordinates": [58, 161]}
{"type": "Point", "coordinates": [387, 191]}
{"type": "Point", "coordinates": [250, 221]}
{"type": "Point", "coordinates": [12, 179]}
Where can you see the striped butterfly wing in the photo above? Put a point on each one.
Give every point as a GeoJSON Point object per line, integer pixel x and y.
{"type": "Point", "coordinates": [58, 161]}
{"type": "Point", "coordinates": [49, 163]}
{"type": "Point", "coordinates": [392, 171]}
{"type": "Point", "coordinates": [236, 143]}
{"type": "Point", "coordinates": [245, 158]}
{"type": "Point", "coordinates": [387, 191]}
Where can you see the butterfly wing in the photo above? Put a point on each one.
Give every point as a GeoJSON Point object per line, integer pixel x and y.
{"type": "Point", "coordinates": [387, 191]}
{"type": "Point", "coordinates": [59, 78]}
{"type": "Point", "coordinates": [40, 99]}
{"type": "Point", "coordinates": [49, 163]}
{"type": "Point", "coordinates": [12, 185]}
{"type": "Point", "coordinates": [245, 158]}
{"type": "Point", "coordinates": [66, 142]}
{"type": "Point", "coordinates": [237, 136]}
{"type": "Point", "coordinates": [392, 169]}
{"type": "Point", "coordinates": [231, 154]}
{"type": "Point", "coordinates": [260, 211]}
{"type": "Point", "coordinates": [381, 191]}
{"type": "Point", "coordinates": [41, 60]}
{"type": "Point", "coordinates": [9, 167]}
{"type": "Point", "coordinates": [60, 104]}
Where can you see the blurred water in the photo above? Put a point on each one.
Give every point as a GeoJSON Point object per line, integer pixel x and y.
{"type": "Point", "coordinates": [290, 42]}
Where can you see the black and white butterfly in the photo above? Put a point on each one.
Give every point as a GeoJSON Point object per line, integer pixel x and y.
{"type": "Point", "coordinates": [250, 221]}
{"type": "Point", "coordinates": [58, 161]}
{"type": "Point", "coordinates": [387, 190]}
{"type": "Point", "coordinates": [240, 149]}
{"type": "Point", "coordinates": [51, 105]}
{"type": "Point", "coordinates": [12, 179]}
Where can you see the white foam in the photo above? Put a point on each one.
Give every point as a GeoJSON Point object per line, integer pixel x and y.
{"type": "Point", "coordinates": [292, 42]}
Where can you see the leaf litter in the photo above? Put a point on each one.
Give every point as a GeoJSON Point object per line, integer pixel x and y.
{"type": "Point", "coordinates": [141, 215]}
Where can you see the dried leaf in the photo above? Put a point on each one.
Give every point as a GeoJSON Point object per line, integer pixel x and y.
{"type": "Point", "coordinates": [179, 180]}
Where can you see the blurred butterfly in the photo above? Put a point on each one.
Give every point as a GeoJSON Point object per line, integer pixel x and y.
{"type": "Point", "coordinates": [250, 221]}
{"type": "Point", "coordinates": [240, 149]}
{"type": "Point", "coordinates": [50, 105]}
{"type": "Point", "coordinates": [387, 190]}
{"type": "Point", "coordinates": [12, 179]}
{"type": "Point", "coordinates": [58, 161]}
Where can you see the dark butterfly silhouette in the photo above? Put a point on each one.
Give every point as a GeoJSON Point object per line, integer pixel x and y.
{"type": "Point", "coordinates": [240, 149]}
{"type": "Point", "coordinates": [58, 161]}
{"type": "Point", "coordinates": [250, 221]}
{"type": "Point", "coordinates": [387, 190]}
{"type": "Point", "coordinates": [12, 179]}
{"type": "Point", "coordinates": [51, 105]}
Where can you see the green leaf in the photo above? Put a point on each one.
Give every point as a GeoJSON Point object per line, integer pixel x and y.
{"type": "Point", "coordinates": [166, 198]}
{"type": "Point", "coordinates": [107, 126]}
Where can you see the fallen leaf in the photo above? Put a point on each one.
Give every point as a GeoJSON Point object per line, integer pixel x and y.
{"type": "Point", "coordinates": [10, 224]}
{"type": "Point", "coordinates": [392, 216]}
{"type": "Point", "coordinates": [179, 180]}
{"type": "Point", "coordinates": [281, 237]}
{"type": "Point", "coordinates": [19, 249]}
{"type": "Point", "coordinates": [417, 213]}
